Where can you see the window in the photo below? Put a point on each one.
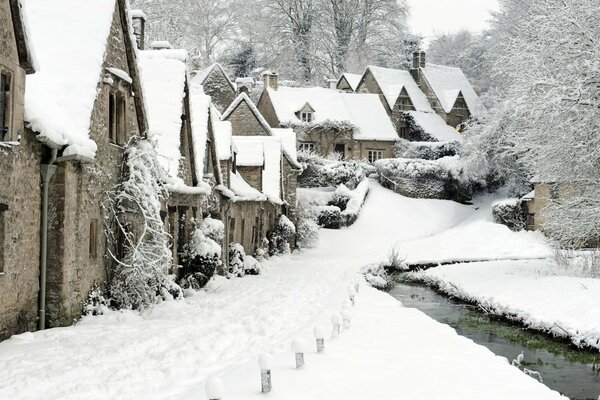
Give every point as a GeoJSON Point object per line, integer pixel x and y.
{"type": "Point", "coordinates": [306, 116]}
{"type": "Point", "coordinates": [306, 146]}
{"type": "Point", "coordinates": [231, 229]}
{"type": "Point", "coordinates": [243, 229]}
{"type": "Point", "coordinates": [554, 191]}
{"type": "Point", "coordinates": [93, 238]}
{"type": "Point", "coordinates": [181, 231]}
{"type": "Point", "coordinates": [404, 132]}
{"type": "Point", "coordinates": [374, 155]}
{"type": "Point", "coordinates": [3, 208]}
{"type": "Point", "coordinates": [4, 105]}
{"type": "Point", "coordinates": [340, 148]}
{"type": "Point", "coordinates": [116, 117]}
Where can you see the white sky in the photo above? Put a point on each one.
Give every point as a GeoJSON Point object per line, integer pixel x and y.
{"type": "Point", "coordinates": [441, 16]}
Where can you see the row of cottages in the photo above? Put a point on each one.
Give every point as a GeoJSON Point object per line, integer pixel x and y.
{"type": "Point", "coordinates": [68, 109]}
{"type": "Point", "coordinates": [326, 121]}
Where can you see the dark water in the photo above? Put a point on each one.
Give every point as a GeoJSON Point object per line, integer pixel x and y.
{"type": "Point", "coordinates": [563, 368]}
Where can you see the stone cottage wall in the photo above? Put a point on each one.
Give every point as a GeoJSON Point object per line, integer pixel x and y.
{"type": "Point", "coordinates": [219, 89]}
{"type": "Point", "coordinates": [250, 216]}
{"type": "Point", "coordinates": [244, 122]}
{"type": "Point", "coordinates": [265, 106]}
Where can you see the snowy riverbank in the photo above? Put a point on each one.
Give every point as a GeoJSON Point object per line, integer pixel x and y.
{"type": "Point", "coordinates": [535, 293]}
{"type": "Point", "coordinates": [170, 352]}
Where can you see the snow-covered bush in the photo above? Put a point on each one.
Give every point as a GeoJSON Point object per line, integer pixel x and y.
{"type": "Point", "coordinates": [237, 256]}
{"type": "Point", "coordinates": [96, 303]}
{"type": "Point", "coordinates": [510, 212]}
{"type": "Point", "coordinates": [395, 259]}
{"type": "Point", "coordinates": [202, 255]}
{"type": "Point", "coordinates": [307, 228]}
{"type": "Point", "coordinates": [341, 197]}
{"type": "Point", "coordinates": [329, 217]}
{"type": "Point", "coordinates": [439, 179]}
{"type": "Point", "coordinates": [426, 150]}
{"type": "Point", "coordinates": [281, 236]}
{"type": "Point", "coordinates": [377, 276]}
{"type": "Point", "coordinates": [261, 254]}
{"type": "Point", "coordinates": [321, 172]}
{"type": "Point", "coordinates": [132, 220]}
{"type": "Point", "coordinates": [251, 266]}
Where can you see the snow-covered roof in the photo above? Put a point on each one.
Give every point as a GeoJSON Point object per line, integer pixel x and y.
{"type": "Point", "coordinates": [448, 83]}
{"type": "Point", "coordinates": [163, 76]}
{"type": "Point", "coordinates": [201, 75]}
{"type": "Point", "coordinates": [352, 79]}
{"type": "Point", "coordinates": [223, 133]}
{"type": "Point", "coordinates": [138, 14]}
{"type": "Point", "coordinates": [392, 81]}
{"type": "Point", "coordinates": [258, 151]}
{"type": "Point", "coordinates": [70, 43]}
{"type": "Point", "coordinates": [242, 190]}
{"type": "Point", "coordinates": [288, 141]}
{"type": "Point", "coordinates": [364, 111]}
{"type": "Point", "coordinates": [199, 110]}
{"type": "Point", "coordinates": [24, 46]}
{"type": "Point", "coordinates": [435, 126]}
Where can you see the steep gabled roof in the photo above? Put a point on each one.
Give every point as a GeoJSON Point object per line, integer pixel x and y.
{"type": "Point", "coordinates": [392, 81]}
{"type": "Point", "coordinates": [24, 48]}
{"type": "Point", "coordinates": [352, 79]}
{"type": "Point", "coordinates": [70, 42]}
{"type": "Point", "coordinates": [433, 125]}
{"type": "Point", "coordinates": [364, 111]}
{"type": "Point", "coordinates": [201, 75]}
{"type": "Point", "coordinates": [448, 83]}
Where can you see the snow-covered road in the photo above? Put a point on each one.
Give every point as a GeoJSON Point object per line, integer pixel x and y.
{"type": "Point", "coordinates": [170, 352]}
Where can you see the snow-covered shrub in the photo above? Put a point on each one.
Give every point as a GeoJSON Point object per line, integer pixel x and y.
{"type": "Point", "coordinates": [261, 254]}
{"type": "Point", "coordinates": [281, 236]}
{"type": "Point", "coordinates": [439, 179]}
{"type": "Point", "coordinates": [237, 255]}
{"type": "Point", "coordinates": [251, 266]}
{"type": "Point", "coordinates": [202, 255]}
{"type": "Point", "coordinates": [426, 150]}
{"type": "Point", "coordinates": [341, 197]}
{"type": "Point", "coordinates": [132, 220]}
{"type": "Point", "coordinates": [307, 229]}
{"type": "Point", "coordinates": [510, 212]}
{"type": "Point", "coordinates": [321, 172]}
{"type": "Point", "coordinates": [395, 259]}
{"type": "Point", "coordinates": [96, 303]}
{"type": "Point", "coordinates": [329, 217]}
{"type": "Point", "coordinates": [377, 276]}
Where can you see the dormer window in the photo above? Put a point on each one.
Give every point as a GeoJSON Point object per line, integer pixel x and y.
{"type": "Point", "coordinates": [306, 116]}
{"type": "Point", "coordinates": [4, 105]}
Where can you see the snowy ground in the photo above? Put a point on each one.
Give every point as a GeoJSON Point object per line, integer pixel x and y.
{"type": "Point", "coordinates": [536, 293]}
{"type": "Point", "coordinates": [170, 352]}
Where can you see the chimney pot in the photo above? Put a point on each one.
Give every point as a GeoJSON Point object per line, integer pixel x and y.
{"type": "Point", "coordinates": [270, 80]}
{"type": "Point", "coordinates": [422, 57]}
{"type": "Point", "coordinates": [332, 84]}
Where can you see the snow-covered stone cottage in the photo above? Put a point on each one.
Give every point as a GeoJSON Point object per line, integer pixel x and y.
{"type": "Point", "coordinates": [326, 121]}
{"type": "Point", "coordinates": [84, 103]}
{"type": "Point", "coordinates": [428, 103]}
{"type": "Point", "coordinates": [217, 85]}
{"type": "Point", "coordinates": [20, 181]}
{"type": "Point", "coordinates": [348, 82]}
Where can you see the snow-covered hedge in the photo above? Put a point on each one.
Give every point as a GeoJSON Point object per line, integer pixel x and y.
{"type": "Point", "coordinates": [320, 172]}
{"type": "Point", "coordinates": [279, 240]}
{"type": "Point", "coordinates": [426, 150]}
{"type": "Point", "coordinates": [510, 212]}
{"type": "Point", "coordinates": [202, 255]}
{"type": "Point", "coordinates": [438, 179]}
{"type": "Point", "coordinates": [237, 257]}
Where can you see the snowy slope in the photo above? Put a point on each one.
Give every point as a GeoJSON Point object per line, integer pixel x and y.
{"type": "Point", "coordinates": [169, 352]}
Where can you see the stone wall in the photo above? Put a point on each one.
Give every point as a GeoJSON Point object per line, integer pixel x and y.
{"type": "Point", "coordinates": [252, 175]}
{"type": "Point", "coordinates": [219, 89]}
{"type": "Point", "coordinates": [265, 106]}
{"type": "Point", "coordinates": [251, 222]}
{"type": "Point", "coordinates": [290, 185]}
{"type": "Point", "coordinates": [361, 148]}
{"type": "Point", "coordinates": [244, 122]}
{"type": "Point", "coordinates": [77, 194]}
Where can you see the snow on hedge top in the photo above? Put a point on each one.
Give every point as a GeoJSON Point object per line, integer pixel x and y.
{"type": "Point", "coordinates": [352, 79]}
{"type": "Point", "coordinates": [254, 149]}
{"type": "Point", "coordinates": [435, 126]}
{"type": "Point", "coordinates": [391, 82]}
{"type": "Point", "coordinates": [448, 83]}
{"type": "Point", "coordinates": [201, 75]}
{"type": "Point", "coordinates": [370, 118]}
{"type": "Point", "coordinates": [163, 76]}
{"type": "Point", "coordinates": [364, 111]}
{"type": "Point", "coordinates": [70, 41]}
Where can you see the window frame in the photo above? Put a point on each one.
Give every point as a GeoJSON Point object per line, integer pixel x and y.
{"type": "Point", "coordinates": [374, 155]}
{"type": "Point", "coordinates": [307, 116]}
{"type": "Point", "coordinates": [117, 117]}
{"type": "Point", "coordinates": [6, 99]}
{"type": "Point", "coordinates": [306, 146]}
{"type": "Point", "coordinates": [93, 243]}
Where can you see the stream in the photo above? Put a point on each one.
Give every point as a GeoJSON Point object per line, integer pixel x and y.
{"type": "Point", "coordinates": [572, 372]}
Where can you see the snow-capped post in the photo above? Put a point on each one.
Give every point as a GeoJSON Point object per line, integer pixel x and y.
{"type": "Point", "coordinates": [319, 333]}
{"type": "Point", "coordinates": [351, 293]}
{"type": "Point", "coordinates": [265, 363]}
{"type": "Point", "coordinates": [336, 320]}
{"type": "Point", "coordinates": [356, 286]}
{"type": "Point", "coordinates": [298, 348]}
{"type": "Point", "coordinates": [214, 389]}
{"type": "Point", "coordinates": [346, 316]}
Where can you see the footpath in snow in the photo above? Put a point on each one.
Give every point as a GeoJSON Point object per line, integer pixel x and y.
{"type": "Point", "coordinates": [389, 353]}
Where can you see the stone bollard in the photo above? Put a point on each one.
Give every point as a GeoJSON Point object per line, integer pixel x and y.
{"type": "Point", "coordinates": [298, 348]}
{"type": "Point", "coordinates": [265, 363]}
{"type": "Point", "coordinates": [351, 293]}
{"type": "Point", "coordinates": [319, 333]}
{"type": "Point", "coordinates": [214, 389]}
{"type": "Point", "coordinates": [346, 316]}
{"type": "Point", "coordinates": [336, 320]}
{"type": "Point", "coordinates": [357, 286]}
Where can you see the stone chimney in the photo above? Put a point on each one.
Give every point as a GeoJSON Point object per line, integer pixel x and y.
{"type": "Point", "coordinates": [270, 80]}
{"type": "Point", "coordinates": [161, 45]}
{"type": "Point", "coordinates": [138, 20]}
{"type": "Point", "coordinates": [419, 58]}
{"type": "Point", "coordinates": [332, 84]}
